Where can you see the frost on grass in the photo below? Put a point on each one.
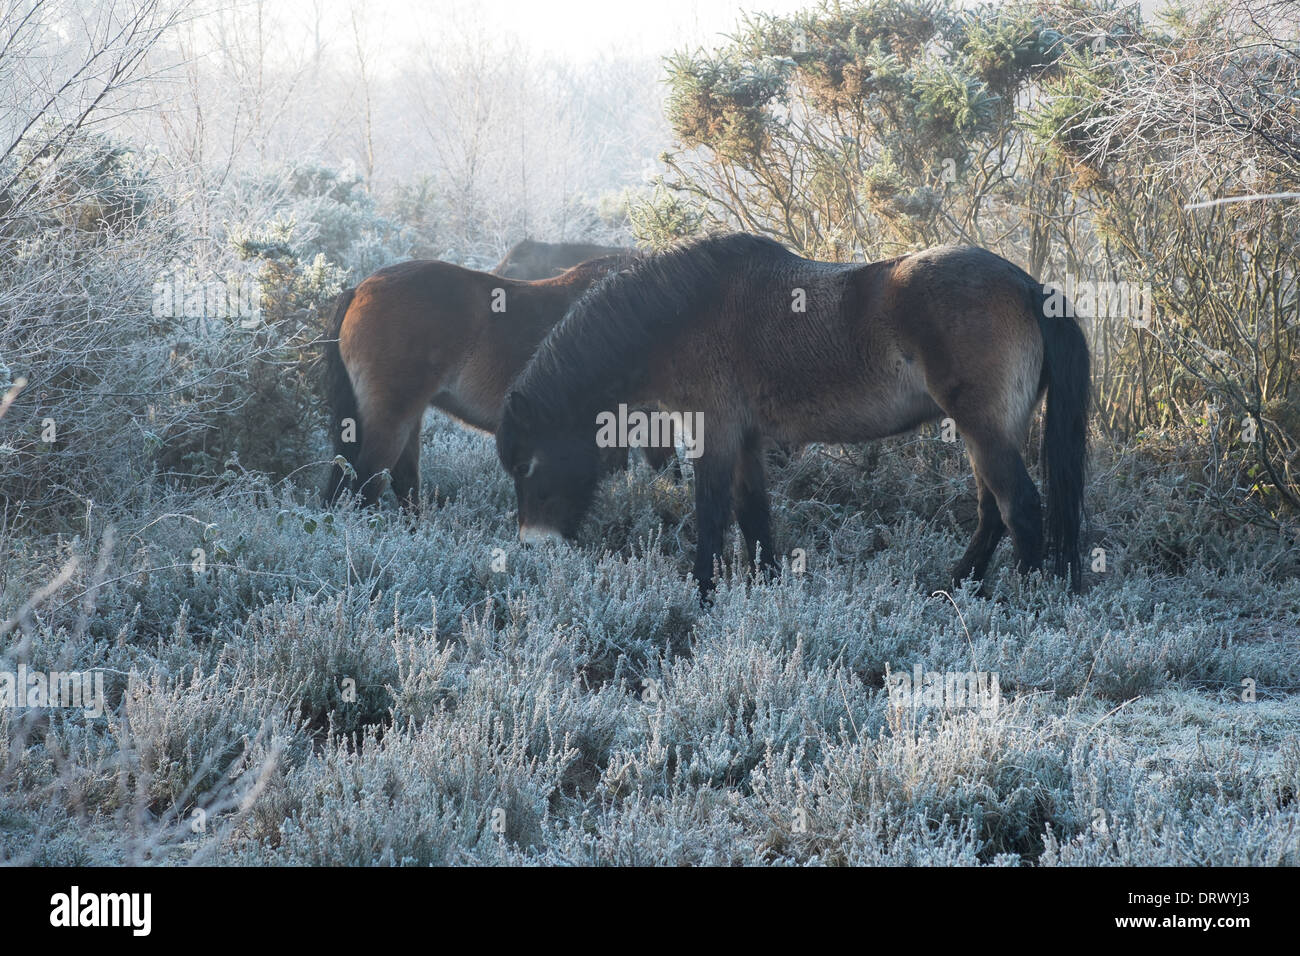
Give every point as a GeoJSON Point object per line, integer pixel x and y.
{"type": "Point", "coordinates": [348, 688]}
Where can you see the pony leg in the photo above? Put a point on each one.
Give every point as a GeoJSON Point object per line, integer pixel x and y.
{"type": "Point", "coordinates": [999, 464]}
{"type": "Point", "coordinates": [406, 474]}
{"type": "Point", "coordinates": [752, 505]}
{"type": "Point", "coordinates": [713, 480]}
{"type": "Point", "coordinates": [991, 527]}
{"type": "Point", "coordinates": [380, 449]}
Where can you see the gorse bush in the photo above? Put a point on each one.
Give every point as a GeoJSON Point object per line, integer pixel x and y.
{"type": "Point", "coordinates": [1071, 139]}
{"type": "Point", "coordinates": [852, 130]}
{"type": "Point", "coordinates": [324, 232]}
{"type": "Point", "coordinates": [317, 211]}
{"type": "Point", "coordinates": [1150, 133]}
{"type": "Point", "coordinates": [265, 414]}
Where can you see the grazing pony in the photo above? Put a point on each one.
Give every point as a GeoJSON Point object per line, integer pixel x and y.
{"type": "Point", "coordinates": [425, 333]}
{"type": "Point", "coordinates": [529, 259]}
{"type": "Point", "coordinates": [765, 344]}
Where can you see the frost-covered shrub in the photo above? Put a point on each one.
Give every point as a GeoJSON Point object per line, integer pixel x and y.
{"type": "Point", "coordinates": [322, 211]}
{"type": "Point", "coordinates": [87, 232]}
{"type": "Point", "coordinates": [575, 704]}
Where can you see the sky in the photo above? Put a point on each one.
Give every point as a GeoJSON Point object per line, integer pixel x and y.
{"type": "Point", "coordinates": [573, 30]}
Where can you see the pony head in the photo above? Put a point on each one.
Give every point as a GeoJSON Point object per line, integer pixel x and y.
{"type": "Point", "coordinates": [555, 469]}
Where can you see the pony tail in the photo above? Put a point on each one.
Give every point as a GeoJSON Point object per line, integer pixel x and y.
{"type": "Point", "coordinates": [342, 401]}
{"type": "Point", "coordinates": [1066, 370]}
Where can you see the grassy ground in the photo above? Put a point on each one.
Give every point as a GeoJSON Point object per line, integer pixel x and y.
{"type": "Point", "coordinates": [343, 689]}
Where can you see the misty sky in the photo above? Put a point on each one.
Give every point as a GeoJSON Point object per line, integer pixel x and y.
{"type": "Point", "coordinates": [574, 30]}
{"type": "Point", "coordinates": [570, 29]}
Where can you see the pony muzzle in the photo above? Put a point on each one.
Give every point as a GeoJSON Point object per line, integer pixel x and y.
{"type": "Point", "coordinates": [534, 534]}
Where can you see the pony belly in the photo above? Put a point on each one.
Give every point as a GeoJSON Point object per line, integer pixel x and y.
{"type": "Point", "coordinates": [881, 420]}
{"type": "Point", "coordinates": [468, 413]}
{"type": "Point", "coordinates": [896, 397]}
{"type": "Point", "coordinates": [880, 405]}
{"type": "Point", "coordinates": [867, 418]}
{"type": "Point", "coordinates": [911, 415]}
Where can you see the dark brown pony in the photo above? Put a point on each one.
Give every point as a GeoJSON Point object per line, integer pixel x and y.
{"type": "Point", "coordinates": [529, 259]}
{"type": "Point", "coordinates": [428, 333]}
{"type": "Point", "coordinates": [715, 328]}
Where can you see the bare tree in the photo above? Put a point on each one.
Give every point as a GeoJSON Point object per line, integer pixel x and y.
{"type": "Point", "coordinates": [57, 88]}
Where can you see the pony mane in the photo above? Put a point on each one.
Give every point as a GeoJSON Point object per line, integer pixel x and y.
{"type": "Point", "coordinates": [594, 349]}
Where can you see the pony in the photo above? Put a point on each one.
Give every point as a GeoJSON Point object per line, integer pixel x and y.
{"type": "Point", "coordinates": [427, 333]}
{"type": "Point", "coordinates": [759, 343]}
{"type": "Point", "coordinates": [529, 259]}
